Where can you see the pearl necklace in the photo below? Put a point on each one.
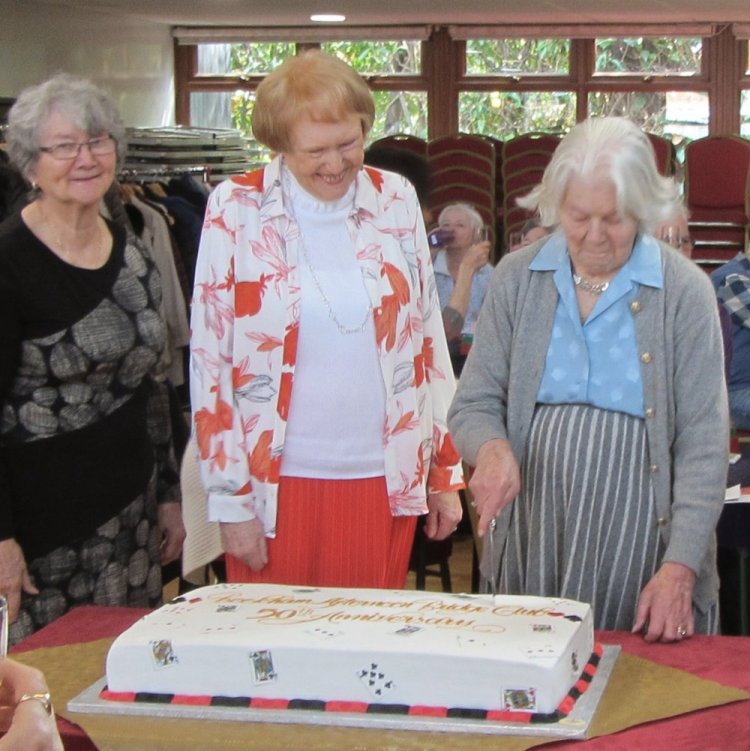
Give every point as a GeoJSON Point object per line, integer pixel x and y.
{"type": "Point", "coordinates": [590, 287]}
{"type": "Point", "coordinates": [344, 330]}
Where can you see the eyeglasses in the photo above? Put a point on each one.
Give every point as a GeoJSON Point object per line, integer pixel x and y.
{"type": "Point", "coordinates": [101, 146]}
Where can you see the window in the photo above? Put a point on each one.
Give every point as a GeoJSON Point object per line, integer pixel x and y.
{"type": "Point", "coordinates": [648, 56]}
{"type": "Point", "coordinates": [379, 58]}
{"type": "Point", "coordinates": [505, 114]}
{"type": "Point", "coordinates": [518, 57]}
{"type": "Point", "coordinates": [662, 112]}
{"type": "Point", "coordinates": [242, 59]}
{"type": "Point", "coordinates": [475, 79]}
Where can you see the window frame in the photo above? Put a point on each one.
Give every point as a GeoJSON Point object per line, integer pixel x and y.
{"type": "Point", "coordinates": [723, 74]}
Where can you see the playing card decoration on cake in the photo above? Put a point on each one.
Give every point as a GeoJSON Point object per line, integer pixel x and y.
{"type": "Point", "coordinates": [468, 642]}
{"type": "Point", "coordinates": [376, 681]}
{"type": "Point", "coordinates": [162, 653]}
{"type": "Point", "coordinates": [408, 630]}
{"type": "Point", "coordinates": [519, 700]}
{"type": "Point", "coordinates": [262, 664]}
{"type": "Point", "coordinates": [324, 633]}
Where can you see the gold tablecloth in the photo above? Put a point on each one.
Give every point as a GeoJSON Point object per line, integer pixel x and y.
{"type": "Point", "coordinates": [638, 691]}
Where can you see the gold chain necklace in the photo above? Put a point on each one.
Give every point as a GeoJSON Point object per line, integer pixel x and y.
{"type": "Point", "coordinates": [590, 287]}
{"type": "Point", "coordinates": [345, 330]}
{"type": "Point", "coordinates": [100, 238]}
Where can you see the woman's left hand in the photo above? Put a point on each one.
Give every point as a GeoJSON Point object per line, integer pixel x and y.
{"type": "Point", "coordinates": [443, 515]}
{"type": "Point", "coordinates": [665, 607]}
{"type": "Point", "coordinates": [172, 531]}
{"type": "Point", "coordinates": [28, 726]}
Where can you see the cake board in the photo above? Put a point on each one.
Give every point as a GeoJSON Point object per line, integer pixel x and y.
{"type": "Point", "coordinates": [575, 725]}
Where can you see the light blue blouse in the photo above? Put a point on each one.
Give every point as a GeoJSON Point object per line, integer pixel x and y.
{"type": "Point", "coordinates": [444, 284]}
{"type": "Point", "coordinates": [596, 362]}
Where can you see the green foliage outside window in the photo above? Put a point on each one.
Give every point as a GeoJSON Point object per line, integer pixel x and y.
{"type": "Point", "coordinates": [379, 58]}
{"type": "Point", "coordinates": [655, 56]}
{"type": "Point", "coordinates": [507, 114]}
{"type": "Point", "coordinates": [509, 57]}
{"type": "Point", "coordinates": [502, 114]}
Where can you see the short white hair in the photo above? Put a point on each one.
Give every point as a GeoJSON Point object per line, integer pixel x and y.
{"type": "Point", "coordinates": [475, 217]}
{"type": "Point", "coordinates": [614, 148]}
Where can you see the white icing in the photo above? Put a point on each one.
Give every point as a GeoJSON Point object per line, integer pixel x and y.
{"type": "Point", "coordinates": [372, 646]}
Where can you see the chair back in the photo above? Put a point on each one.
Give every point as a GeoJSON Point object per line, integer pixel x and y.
{"type": "Point", "coordinates": [403, 141]}
{"type": "Point", "coordinates": [462, 168]}
{"type": "Point", "coordinates": [524, 160]}
{"type": "Point", "coordinates": [717, 195]}
{"type": "Point", "coordinates": [665, 153]}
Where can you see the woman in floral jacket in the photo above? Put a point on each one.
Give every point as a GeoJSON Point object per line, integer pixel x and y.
{"type": "Point", "coordinates": [320, 375]}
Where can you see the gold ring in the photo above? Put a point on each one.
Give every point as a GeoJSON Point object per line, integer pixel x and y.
{"type": "Point", "coordinates": [42, 697]}
{"type": "Point", "coordinates": [681, 632]}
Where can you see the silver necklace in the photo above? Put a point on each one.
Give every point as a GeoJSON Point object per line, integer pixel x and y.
{"type": "Point", "coordinates": [590, 287]}
{"type": "Point", "coordinates": [345, 330]}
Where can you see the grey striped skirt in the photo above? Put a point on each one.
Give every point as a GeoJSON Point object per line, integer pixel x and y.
{"type": "Point", "coordinates": [584, 524]}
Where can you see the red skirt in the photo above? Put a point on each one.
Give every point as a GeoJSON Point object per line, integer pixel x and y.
{"type": "Point", "coordinates": [334, 533]}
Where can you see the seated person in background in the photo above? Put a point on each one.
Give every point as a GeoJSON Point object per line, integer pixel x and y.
{"type": "Point", "coordinates": [26, 717]}
{"type": "Point", "coordinates": [532, 231]}
{"type": "Point", "coordinates": [462, 273]}
{"type": "Point", "coordinates": [676, 233]}
{"type": "Point", "coordinates": [732, 283]}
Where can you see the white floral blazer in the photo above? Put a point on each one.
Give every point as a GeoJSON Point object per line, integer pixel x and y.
{"type": "Point", "coordinates": [245, 320]}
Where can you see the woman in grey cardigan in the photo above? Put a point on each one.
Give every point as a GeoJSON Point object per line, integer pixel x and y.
{"type": "Point", "coordinates": [593, 404]}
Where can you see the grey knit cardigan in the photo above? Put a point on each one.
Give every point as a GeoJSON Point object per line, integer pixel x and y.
{"type": "Point", "coordinates": [687, 424]}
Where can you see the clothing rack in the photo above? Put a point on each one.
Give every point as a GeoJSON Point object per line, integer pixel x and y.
{"type": "Point", "coordinates": [217, 153]}
{"type": "Point", "coordinates": [146, 173]}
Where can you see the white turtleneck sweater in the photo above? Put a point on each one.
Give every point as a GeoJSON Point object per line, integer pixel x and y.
{"type": "Point", "coordinates": [337, 410]}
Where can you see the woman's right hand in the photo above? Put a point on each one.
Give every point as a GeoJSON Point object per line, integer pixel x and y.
{"type": "Point", "coordinates": [14, 577]}
{"type": "Point", "coordinates": [495, 481]}
{"type": "Point", "coordinates": [245, 541]}
{"type": "Point", "coordinates": [477, 256]}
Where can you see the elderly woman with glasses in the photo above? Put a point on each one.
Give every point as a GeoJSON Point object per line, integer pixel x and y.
{"type": "Point", "coordinates": [85, 437]}
{"type": "Point", "coordinates": [320, 376]}
{"type": "Point", "coordinates": [593, 404]}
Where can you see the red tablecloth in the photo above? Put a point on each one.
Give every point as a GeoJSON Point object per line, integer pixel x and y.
{"type": "Point", "coordinates": [724, 659]}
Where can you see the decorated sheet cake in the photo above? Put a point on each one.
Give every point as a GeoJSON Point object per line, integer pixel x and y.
{"type": "Point", "coordinates": [359, 650]}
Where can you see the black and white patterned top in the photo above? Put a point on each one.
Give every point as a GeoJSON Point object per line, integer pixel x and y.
{"type": "Point", "coordinates": [85, 412]}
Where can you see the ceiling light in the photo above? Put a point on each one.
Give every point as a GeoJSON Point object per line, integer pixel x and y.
{"type": "Point", "coordinates": [327, 18]}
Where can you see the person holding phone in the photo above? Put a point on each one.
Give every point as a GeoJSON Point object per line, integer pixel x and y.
{"type": "Point", "coordinates": [462, 275]}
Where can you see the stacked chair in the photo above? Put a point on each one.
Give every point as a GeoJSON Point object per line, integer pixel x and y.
{"type": "Point", "coordinates": [523, 163]}
{"type": "Point", "coordinates": [665, 153]}
{"type": "Point", "coordinates": [403, 141]}
{"type": "Point", "coordinates": [499, 206]}
{"type": "Point", "coordinates": [463, 170]}
{"type": "Point", "coordinates": [717, 194]}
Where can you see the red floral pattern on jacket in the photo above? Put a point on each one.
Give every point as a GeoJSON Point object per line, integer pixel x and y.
{"type": "Point", "coordinates": [245, 320]}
